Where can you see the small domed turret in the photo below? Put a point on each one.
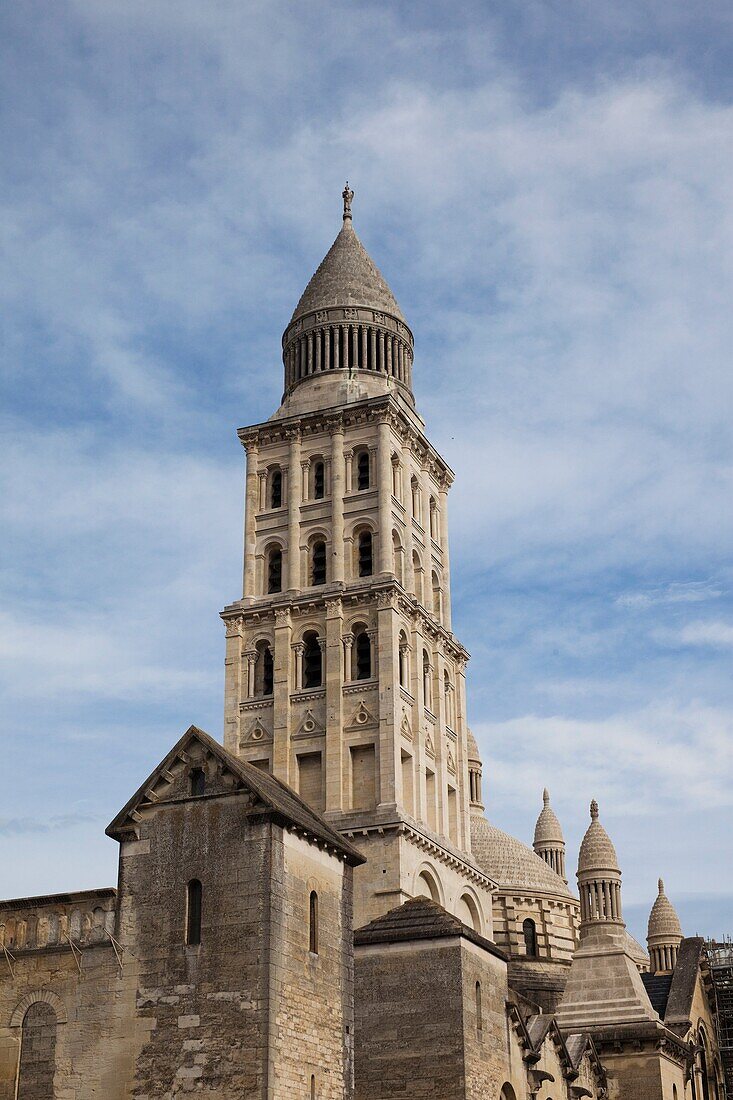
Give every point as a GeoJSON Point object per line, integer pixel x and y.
{"type": "Point", "coordinates": [549, 843]}
{"type": "Point", "coordinates": [347, 325]}
{"type": "Point", "coordinates": [664, 934]}
{"type": "Point", "coordinates": [599, 877]}
{"type": "Point", "coordinates": [474, 773]}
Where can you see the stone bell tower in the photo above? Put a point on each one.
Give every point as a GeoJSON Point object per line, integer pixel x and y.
{"type": "Point", "coordinates": [343, 677]}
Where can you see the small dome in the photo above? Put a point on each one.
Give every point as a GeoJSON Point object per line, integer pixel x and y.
{"type": "Point", "coordinates": [512, 864]}
{"type": "Point", "coordinates": [597, 853]}
{"type": "Point", "coordinates": [548, 829]}
{"type": "Point", "coordinates": [474, 756]}
{"type": "Point", "coordinates": [663, 920]}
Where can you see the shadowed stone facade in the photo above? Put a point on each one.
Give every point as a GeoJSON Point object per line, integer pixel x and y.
{"type": "Point", "coordinates": [319, 909]}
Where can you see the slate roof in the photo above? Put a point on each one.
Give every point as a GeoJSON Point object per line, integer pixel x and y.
{"type": "Point", "coordinates": [347, 276]}
{"type": "Point", "coordinates": [511, 863]}
{"type": "Point", "coordinates": [287, 807]}
{"type": "Point", "coordinates": [420, 919]}
{"type": "Point", "coordinates": [684, 979]}
{"type": "Point", "coordinates": [657, 987]}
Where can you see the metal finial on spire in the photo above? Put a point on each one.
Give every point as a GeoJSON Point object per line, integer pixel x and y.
{"type": "Point", "coordinates": [347, 195]}
{"type": "Point", "coordinates": [594, 810]}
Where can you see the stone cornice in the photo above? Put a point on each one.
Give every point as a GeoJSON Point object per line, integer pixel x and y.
{"type": "Point", "coordinates": [371, 410]}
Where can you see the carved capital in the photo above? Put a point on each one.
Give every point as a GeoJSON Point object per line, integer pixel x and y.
{"type": "Point", "coordinates": [234, 626]}
{"type": "Point", "coordinates": [333, 608]}
{"type": "Point", "coordinates": [282, 616]}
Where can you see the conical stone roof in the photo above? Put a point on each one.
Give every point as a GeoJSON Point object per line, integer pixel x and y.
{"type": "Point", "coordinates": [597, 853]}
{"type": "Point", "coordinates": [512, 864]}
{"type": "Point", "coordinates": [548, 829]}
{"type": "Point", "coordinates": [347, 276]}
{"type": "Point", "coordinates": [663, 919]}
{"type": "Point", "coordinates": [474, 756]}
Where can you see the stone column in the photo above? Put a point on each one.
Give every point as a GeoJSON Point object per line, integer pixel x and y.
{"type": "Point", "coordinates": [384, 485]}
{"type": "Point", "coordinates": [373, 636]}
{"type": "Point", "coordinates": [250, 520]}
{"type": "Point", "coordinates": [294, 582]}
{"type": "Point", "coordinates": [282, 689]}
{"type": "Point", "coordinates": [251, 655]}
{"type": "Point", "coordinates": [334, 681]}
{"type": "Point", "coordinates": [337, 500]}
{"type": "Point", "coordinates": [298, 649]}
{"type": "Point", "coordinates": [233, 684]}
{"type": "Point", "coordinates": [348, 642]}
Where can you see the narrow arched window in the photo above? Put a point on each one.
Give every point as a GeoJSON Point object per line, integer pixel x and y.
{"type": "Point", "coordinates": [312, 660]}
{"type": "Point", "coordinates": [365, 554]}
{"type": "Point", "coordinates": [198, 781]}
{"type": "Point", "coordinates": [362, 470]}
{"type": "Point", "coordinates": [426, 678]}
{"type": "Point", "coordinates": [274, 569]}
{"type": "Point", "coordinates": [319, 481]}
{"type": "Point", "coordinates": [479, 1014]}
{"type": "Point", "coordinates": [363, 649]}
{"type": "Point", "coordinates": [264, 671]}
{"type": "Point", "coordinates": [313, 923]}
{"type": "Point", "coordinates": [37, 1066]}
{"type": "Point", "coordinates": [276, 489]}
{"type": "Point", "coordinates": [313, 1087]}
{"type": "Point", "coordinates": [318, 562]}
{"type": "Point", "coordinates": [437, 609]}
{"type": "Point", "coordinates": [193, 912]}
{"type": "Point", "coordinates": [529, 931]}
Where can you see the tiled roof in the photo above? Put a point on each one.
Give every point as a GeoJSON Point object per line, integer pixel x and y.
{"type": "Point", "coordinates": [657, 986]}
{"type": "Point", "coordinates": [419, 919]}
{"type": "Point", "coordinates": [347, 276]}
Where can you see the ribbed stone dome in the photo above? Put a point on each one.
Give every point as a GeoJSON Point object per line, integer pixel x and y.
{"type": "Point", "coordinates": [347, 276]}
{"type": "Point", "coordinates": [548, 829]}
{"type": "Point", "coordinates": [511, 863]}
{"type": "Point", "coordinates": [474, 756]}
{"type": "Point", "coordinates": [663, 920]}
{"type": "Point", "coordinates": [347, 325]}
{"type": "Point", "coordinates": [597, 853]}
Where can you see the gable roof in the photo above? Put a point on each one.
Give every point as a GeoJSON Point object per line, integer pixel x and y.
{"type": "Point", "coordinates": [420, 919]}
{"type": "Point", "coordinates": [284, 804]}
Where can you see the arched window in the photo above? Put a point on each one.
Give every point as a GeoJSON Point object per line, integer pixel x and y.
{"type": "Point", "coordinates": [398, 558]}
{"type": "Point", "coordinates": [434, 525]}
{"type": "Point", "coordinates": [507, 1093]}
{"type": "Point", "coordinates": [415, 492]}
{"type": "Point", "coordinates": [450, 717]}
{"type": "Point", "coordinates": [365, 554]}
{"type": "Point", "coordinates": [529, 931]}
{"type": "Point", "coordinates": [404, 671]}
{"type": "Point", "coordinates": [319, 480]}
{"type": "Point", "coordinates": [198, 781]}
{"type": "Point", "coordinates": [479, 1015]}
{"type": "Point", "coordinates": [362, 656]}
{"type": "Point", "coordinates": [193, 912]}
{"type": "Point", "coordinates": [313, 923]}
{"type": "Point", "coordinates": [274, 569]}
{"type": "Point", "coordinates": [264, 669]}
{"type": "Point", "coordinates": [426, 684]}
{"type": "Point", "coordinates": [276, 489]}
{"type": "Point", "coordinates": [313, 1086]}
{"type": "Point", "coordinates": [312, 660]}
{"type": "Point", "coordinates": [437, 596]}
{"type": "Point", "coordinates": [417, 570]}
{"type": "Point", "coordinates": [318, 562]}
{"type": "Point", "coordinates": [37, 1053]}
{"type": "Point", "coordinates": [362, 470]}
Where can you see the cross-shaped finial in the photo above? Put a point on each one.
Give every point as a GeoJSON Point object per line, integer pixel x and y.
{"type": "Point", "coordinates": [347, 195]}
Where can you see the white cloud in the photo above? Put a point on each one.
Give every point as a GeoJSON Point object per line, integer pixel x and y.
{"type": "Point", "coordinates": [701, 633]}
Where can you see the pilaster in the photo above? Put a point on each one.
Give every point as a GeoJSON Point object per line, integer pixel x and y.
{"type": "Point", "coordinates": [282, 691]}
{"type": "Point", "coordinates": [334, 662]}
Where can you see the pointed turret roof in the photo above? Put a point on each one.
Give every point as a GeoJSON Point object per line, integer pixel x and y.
{"type": "Point", "coordinates": [597, 852]}
{"type": "Point", "coordinates": [548, 829]}
{"type": "Point", "coordinates": [347, 276]}
{"type": "Point", "coordinates": [663, 920]}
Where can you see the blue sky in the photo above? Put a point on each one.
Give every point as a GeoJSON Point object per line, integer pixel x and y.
{"type": "Point", "coordinates": [546, 187]}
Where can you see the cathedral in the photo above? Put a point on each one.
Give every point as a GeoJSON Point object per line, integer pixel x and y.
{"type": "Point", "coordinates": [319, 908]}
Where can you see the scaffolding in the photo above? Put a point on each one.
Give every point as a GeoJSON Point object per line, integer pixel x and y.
{"type": "Point", "coordinates": [720, 956]}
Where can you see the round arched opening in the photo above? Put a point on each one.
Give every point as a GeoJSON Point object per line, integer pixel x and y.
{"type": "Point", "coordinates": [467, 911]}
{"type": "Point", "coordinates": [427, 887]}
